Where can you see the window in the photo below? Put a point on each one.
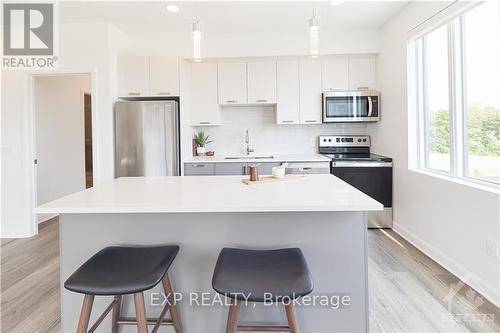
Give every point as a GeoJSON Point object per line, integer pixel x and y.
{"type": "Point", "coordinates": [454, 88]}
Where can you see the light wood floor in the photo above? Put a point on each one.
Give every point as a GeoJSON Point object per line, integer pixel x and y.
{"type": "Point", "coordinates": [408, 291]}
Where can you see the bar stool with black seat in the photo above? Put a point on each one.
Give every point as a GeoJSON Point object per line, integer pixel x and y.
{"type": "Point", "coordinates": [258, 275]}
{"type": "Point", "coordinates": [119, 270]}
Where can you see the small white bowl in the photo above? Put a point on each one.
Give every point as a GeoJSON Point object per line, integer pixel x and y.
{"type": "Point", "coordinates": [278, 172]}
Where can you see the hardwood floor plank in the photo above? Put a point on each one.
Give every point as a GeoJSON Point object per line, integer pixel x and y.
{"type": "Point", "coordinates": [408, 290]}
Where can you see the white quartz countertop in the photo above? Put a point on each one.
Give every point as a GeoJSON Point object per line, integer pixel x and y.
{"type": "Point", "coordinates": [214, 194]}
{"type": "Point", "coordinates": [276, 158]}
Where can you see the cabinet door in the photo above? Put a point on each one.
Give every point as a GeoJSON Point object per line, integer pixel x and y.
{"type": "Point", "coordinates": [203, 106]}
{"type": "Point", "coordinates": [362, 73]}
{"type": "Point", "coordinates": [335, 74]}
{"type": "Point", "coordinates": [232, 82]}
{"type": "Point", "coordinates": [266, 168]}
{"type": "Point", "coordinates": [133, 76]}
{"type": "Point", "coordinates": [199, 169]}
{"type": "Point", "coordinates": [164, 76]}
{"type": "Point", "coordinates": [310, 92]}
{"type": "Point", "coordinates": [261, 82]}
{"type": "Point", "coordinates": [287, 99]}
{"type": "Point", "coordinates": [229, 169]}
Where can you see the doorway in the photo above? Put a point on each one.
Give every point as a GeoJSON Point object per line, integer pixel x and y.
{"type": "Point", "coordinates": [62, 106]}
{"type": "Point", "coordinates": [87, 109]}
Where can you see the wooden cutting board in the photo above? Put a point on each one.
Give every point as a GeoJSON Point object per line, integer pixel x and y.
{"type": "Point", "coordinates": [271, 179]}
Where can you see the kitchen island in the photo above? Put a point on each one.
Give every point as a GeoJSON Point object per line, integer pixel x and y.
{"type": "Point", "coordinates": [321, 214]}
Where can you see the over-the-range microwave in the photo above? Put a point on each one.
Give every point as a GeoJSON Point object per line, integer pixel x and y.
{"type": "Point", "coordinates": [351, 106]}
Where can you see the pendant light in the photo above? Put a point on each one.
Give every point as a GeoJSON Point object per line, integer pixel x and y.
{"type": "Point", "coordinates": [196, 30]}
{"type": "Point", "coordinates": [313, 36]}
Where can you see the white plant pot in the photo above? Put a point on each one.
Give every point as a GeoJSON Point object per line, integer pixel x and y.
{"type": "Point", "coordinates": [201, 150]}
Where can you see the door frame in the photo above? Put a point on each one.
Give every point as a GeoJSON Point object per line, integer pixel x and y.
{"type": "Point", "coordinates": [33, 135]}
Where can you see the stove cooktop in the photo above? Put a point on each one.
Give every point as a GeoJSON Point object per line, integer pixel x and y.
{"type": "Point", "coordinates": [359, 157]}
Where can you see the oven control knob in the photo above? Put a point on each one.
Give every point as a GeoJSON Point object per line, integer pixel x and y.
{"type": "Point", "coordinates": [342, 139]}
{"type": "Point", "coordinates": [338, 140]}
{"type": "Point", "coordinates": [324, 140]}
{"type": "Point", "coordinates": [364, 140]}
{"type": "Point", "coordinates": [329, 140]}
{"type": "Point", "coordinates": [359, 140]}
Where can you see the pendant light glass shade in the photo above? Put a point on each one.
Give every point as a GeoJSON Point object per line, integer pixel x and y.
{"type": "Point", "coordinates": [196, 30]}
{"type": "Point", "coordinates": [313, 36]}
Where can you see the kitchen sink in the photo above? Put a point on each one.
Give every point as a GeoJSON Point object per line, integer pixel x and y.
{"type": "Point", "coordinates": [249, 157]}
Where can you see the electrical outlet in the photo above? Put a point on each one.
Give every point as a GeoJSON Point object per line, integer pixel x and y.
{"type": "Point", "coordinates": [492, 248]}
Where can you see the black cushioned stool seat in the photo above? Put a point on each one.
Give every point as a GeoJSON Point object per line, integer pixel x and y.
{"type": "Point", "coordinates": [121, 270]}
{"type": "Point", "coordinates": [262, 275]}
{"type": "Point", "coordinates": [118, 270]}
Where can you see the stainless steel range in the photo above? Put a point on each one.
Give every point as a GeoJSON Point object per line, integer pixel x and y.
{"type": "Point", "coordinates": [372, 174]}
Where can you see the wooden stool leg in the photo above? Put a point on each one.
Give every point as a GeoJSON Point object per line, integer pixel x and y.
{"type": "Point", "coordinates": [83, 323]}
{"type": "Point", "coordinates": [116, 314]}
{"type": "Point", "coordinates": [292, 318]}
{"type": "Point", "coordinates": [174, 314]}
{"type": "Point", "coordinates": [140, 313]}
{"type": "Point", "coordinates": [232, 317]}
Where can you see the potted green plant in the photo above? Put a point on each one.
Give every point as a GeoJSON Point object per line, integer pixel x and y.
{"type": "Point", "coordinates": [202, 141]}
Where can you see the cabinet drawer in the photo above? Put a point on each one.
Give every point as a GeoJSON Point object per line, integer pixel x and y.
{"type": "Point", "coordinates": [199, 169]}
{"type": "Point", "coordinates": [230, 169]}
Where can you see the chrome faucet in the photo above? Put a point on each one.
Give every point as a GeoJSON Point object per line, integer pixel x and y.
{"type": "Point", "coordinates": [247, 144]}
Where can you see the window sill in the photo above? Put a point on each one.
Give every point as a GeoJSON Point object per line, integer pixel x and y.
{"type": "Point", "coordinates": [462, 181]}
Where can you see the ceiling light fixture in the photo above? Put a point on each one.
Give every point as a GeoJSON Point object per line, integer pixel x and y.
{"type": "Point", "coordinates": [336, 2]}
{"type": "Point", "coordinates": [313, 36]}
{"type": "Point", "coordinates": [196, 29]}
{"type": "Point", "coordinates": [173, 8]}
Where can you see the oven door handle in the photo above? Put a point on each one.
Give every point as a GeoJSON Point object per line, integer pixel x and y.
{"type": "Point", "coordinates": [341, 164]}
{"type": "Point", "coordinates": [370, 106]}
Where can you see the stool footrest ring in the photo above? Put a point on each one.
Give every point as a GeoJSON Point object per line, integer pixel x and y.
{"type": "Point", "coordinates": [262, 328]}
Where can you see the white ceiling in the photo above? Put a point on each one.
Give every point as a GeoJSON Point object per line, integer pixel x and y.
{"type": "Point", "coordinates": [230, 16]}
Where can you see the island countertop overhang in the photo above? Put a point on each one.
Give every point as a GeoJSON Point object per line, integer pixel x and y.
{"type": "Point", "coordinates": [214, 194]}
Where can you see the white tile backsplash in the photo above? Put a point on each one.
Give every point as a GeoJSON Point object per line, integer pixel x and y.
{"type": "Point", "coordinates": [266, 136]}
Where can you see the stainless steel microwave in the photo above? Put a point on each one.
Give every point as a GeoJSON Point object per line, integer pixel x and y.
{"type": "Point", "coordinates": [351, 106]}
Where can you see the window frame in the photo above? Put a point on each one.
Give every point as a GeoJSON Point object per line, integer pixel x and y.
{"type": "Point", "coordinates": [457, 101]}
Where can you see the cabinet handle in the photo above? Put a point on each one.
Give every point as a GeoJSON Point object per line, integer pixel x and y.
{"type": "Point", "coordinates": [204, 123]}
{"type": "Point", "coordinates": [363, 88]}
{"type": "Point", "coordinates": [311, 121]}
{"type": "Point", "coordinates": [231, 101]}
{"type": "Point", "coordinates": [134, 93]}
{"type": "Point", "coordinates": [198, 165]}
{"type": "Point", "coordinates": [287, 121]}
{"type": "Point", "coordinates": [335, 89]}
{"type": "Point", "coordinates": [164, 93]}
{"type": "Point", "coordinates": [261, 100]}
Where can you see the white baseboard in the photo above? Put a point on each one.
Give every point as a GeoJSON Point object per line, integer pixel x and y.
{"type": "Point", "coordinates": [488, 291]}
{"type": "Point", "coordinates": [40, 218]}
{"type": "Point", "coordinates": [15, 233]}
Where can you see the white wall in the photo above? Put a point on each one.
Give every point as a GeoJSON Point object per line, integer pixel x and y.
{"type": "Point", "coordinates": [266, 137]}
{"type": "Point", "coordinates": [448, 221]}
{"type": "Point", "coordinates": [340, 41]}
{"type": "Point", "coordinates": [83, 48]}
{"type": "Point", "coordinates": [60, 139]}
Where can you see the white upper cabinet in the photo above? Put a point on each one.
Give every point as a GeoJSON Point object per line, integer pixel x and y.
{"type": "Point", "coordinates": [232, 81]}
{"type": "Point", "coordinates": [164, 76]}
{"type": "Point", "coordinates": [335, 74]}
{"type": "Point", "coordinates": [287, 94]}
{"type": "Point", "coordinates": [261, 82]}
{"type": "Point", "coordinates": [362, 73]}
{"type": "Point", "coordinates": [310, 91]}
{"type": "Point", "coordinates": [202, 90]}
{"type": "Point", "coordinates": [142, 76]}
{"type": "Point", "coordinates": [133, 76]}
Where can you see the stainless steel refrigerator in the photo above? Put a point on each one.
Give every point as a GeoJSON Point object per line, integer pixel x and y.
{"type": "Point", "coordinates": [146, 138]}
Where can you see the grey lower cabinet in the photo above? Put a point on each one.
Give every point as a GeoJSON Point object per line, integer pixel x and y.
{"type": "Point", "coordinates": [199, 169]}
{"type": "Point", "coordinates": [229, 169]}
{"type": "Point", "coordinates": [226, 169]}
